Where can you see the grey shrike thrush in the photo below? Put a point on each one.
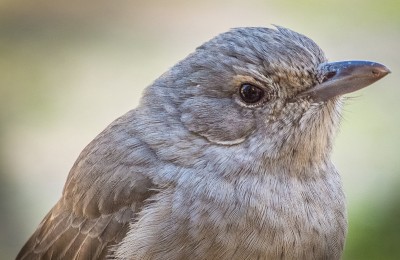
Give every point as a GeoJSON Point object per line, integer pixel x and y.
{"type": "Point", "coordinates": [226, 157]}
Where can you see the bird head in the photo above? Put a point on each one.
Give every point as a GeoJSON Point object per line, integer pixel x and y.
{"type": "Point", "coordinates": [265, 92]}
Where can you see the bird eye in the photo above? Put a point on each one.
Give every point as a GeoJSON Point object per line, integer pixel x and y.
{"type": "Point", "coordinates": [250, 93]}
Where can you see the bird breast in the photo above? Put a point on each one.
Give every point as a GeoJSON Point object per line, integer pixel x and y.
{"type": "Point", "coordinates": [254, 217]}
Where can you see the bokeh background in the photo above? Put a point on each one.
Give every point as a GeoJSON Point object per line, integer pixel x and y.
{"type": "Point", "coordinates": [68, 68]}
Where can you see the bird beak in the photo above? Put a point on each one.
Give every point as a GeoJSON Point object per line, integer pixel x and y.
{"type": "Point", "coordinates": [343, 77]}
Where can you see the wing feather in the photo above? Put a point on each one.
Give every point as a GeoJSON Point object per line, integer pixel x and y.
{"type": "Point", "coordinates": [105, 190]}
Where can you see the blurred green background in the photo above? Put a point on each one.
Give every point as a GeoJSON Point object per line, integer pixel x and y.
{"type": "Point", "coordinates": [68, 68]}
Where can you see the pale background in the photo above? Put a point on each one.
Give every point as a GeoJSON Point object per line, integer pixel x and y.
{"type": "Point", "coordinates": [68, 68]}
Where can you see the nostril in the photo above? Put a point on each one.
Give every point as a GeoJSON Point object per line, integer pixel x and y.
{"type": "Point", "coordinates": [329, 75]}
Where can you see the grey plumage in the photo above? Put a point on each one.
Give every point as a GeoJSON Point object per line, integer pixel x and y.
{"type": "Point", "coordinates": [195, 172]}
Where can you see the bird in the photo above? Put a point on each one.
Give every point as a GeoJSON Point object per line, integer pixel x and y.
{"type": "Point", "coordinates": [227, 156]}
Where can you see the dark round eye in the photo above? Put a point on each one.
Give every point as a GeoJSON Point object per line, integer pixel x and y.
{"type": "Point", "coordinates": [250, 93]}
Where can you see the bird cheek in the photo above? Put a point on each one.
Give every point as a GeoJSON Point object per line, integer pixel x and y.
{"type": "Point", "coordinates": [219, 120]}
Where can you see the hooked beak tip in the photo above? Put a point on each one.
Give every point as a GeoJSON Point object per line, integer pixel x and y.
{"type": "Point", "coordinates": [379, 70]}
